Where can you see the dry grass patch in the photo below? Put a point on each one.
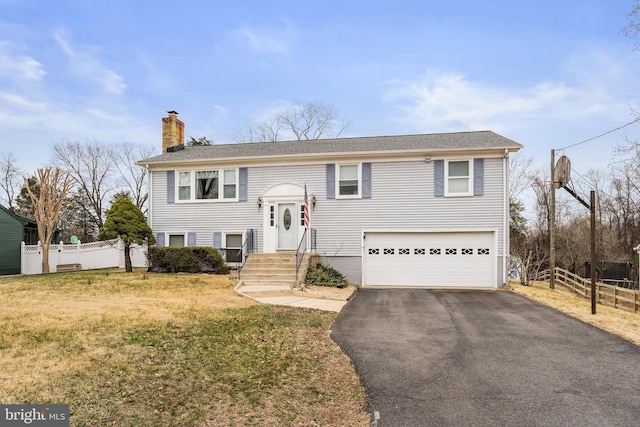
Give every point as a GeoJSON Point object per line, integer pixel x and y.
{"type": "Point", "coordinates": [159, 349]}
{"type": "Point", "coordinates": [618, 322]}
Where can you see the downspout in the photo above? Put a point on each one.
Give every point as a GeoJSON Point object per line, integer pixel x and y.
{"type": "Point", "coordinates": [149, 198]}
{"type": "Point", "coordinates": [506, 250]}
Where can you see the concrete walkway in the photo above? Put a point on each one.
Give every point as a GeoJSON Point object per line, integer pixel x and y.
{"type": "Point", "coordinates": [285, 295]}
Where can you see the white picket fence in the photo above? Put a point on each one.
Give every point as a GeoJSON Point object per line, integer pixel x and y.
{"type": "Point", "coordinates": [89, 256]}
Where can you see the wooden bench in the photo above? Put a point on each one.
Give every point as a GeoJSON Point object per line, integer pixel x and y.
{"type": "Point", "coordinates": [61, 268]}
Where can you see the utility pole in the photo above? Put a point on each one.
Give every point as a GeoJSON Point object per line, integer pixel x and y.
{"type": "Point", "coordinates": [552, 224]}
{"type": "Point", "coordinates": [594, 259]}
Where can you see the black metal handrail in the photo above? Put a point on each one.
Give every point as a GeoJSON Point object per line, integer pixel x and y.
{"type": "Point", "coordinates": [302, 247]}
{"type": "Point", "coordinates": [248, 247]}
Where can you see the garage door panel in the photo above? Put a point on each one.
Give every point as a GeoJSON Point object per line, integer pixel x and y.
{"type": "Point", "coordinates": [429, 259]}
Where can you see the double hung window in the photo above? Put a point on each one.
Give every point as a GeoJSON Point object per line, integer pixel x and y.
{"type": "Point", "coordinates": [348, 180]}
{"type": "Point", "coordinates": [184, 186]}
{"type": "Point", "coordinates": [233, 247]}
{"type": "Point", "coordinates": [458, 181]}
{"type": "Point", "coordinates": [229, 184]}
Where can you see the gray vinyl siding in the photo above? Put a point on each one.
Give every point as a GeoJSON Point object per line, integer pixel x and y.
{"type": "Point", "coordinates": [407, 204]}
{"type": "Point", "coordinates": [202, 218]}
{"type": "Point", "coordinates": [349, 266]}
{"type": "Point", "coordinates": [402, 198]}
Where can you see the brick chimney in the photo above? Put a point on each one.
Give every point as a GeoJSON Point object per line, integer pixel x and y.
{"type": "Point", "coordinates": [172, 132]}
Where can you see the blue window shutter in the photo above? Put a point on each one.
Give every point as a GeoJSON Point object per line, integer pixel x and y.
{"type": "Point", "coordinates": [217, 239]}
{"type": "Point", "coordinates": [171, 186]}
{"type": "Point", "coordinates": [160, 240]}
{"type": "Point", "coordinates": [478, 177]}
{"type": "Point", "coordinates": [438, 178]}
{"type": "Point", "coordinates": [331, 181]}
{"type": "Point", "coordinates": [191, 239]}
{"type": "Point", "coordinates": [242, 184]}
{"type": "Point", "coordinates": [366, 180]}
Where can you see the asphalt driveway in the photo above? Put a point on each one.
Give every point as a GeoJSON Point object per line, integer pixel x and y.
{"type": "Point", "coordinates": [485, 358]}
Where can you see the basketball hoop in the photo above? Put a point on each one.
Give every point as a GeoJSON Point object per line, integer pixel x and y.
{"type": "Point", "coordinates": [562, 172]}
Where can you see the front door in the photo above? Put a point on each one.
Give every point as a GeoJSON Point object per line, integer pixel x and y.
{"type": "Point", "coordinates": [287, 226]}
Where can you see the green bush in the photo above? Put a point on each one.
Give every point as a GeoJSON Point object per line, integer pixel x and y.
{"type": "Point", "coordinates": [193, 259]}
{"type": "Point", "coordinates": [321, 275]}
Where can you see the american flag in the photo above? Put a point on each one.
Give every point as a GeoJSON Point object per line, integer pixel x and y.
{"type": "Point", "coordinates": [306, 208]}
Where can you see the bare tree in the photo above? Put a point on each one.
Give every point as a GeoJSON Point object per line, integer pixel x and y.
{"type": "Point", "coordinates": [311, 120]}
{"type": "Point", "coordinates": [519, 174]}
{"type": "Point", "coordinates": [54, 186]}
{"type": "Point", "coordinates": [304, 121]}
{"type": "Point", "coordinates": [133, 177]}
{"type": "Point", "coordinates": [632, 29]}
{"type": "Point", "coordinates": [531, 256]}
{"type": "Point", "coordinates": [90, 164]}
{"type": "Point", "coordinates": [10, 178]}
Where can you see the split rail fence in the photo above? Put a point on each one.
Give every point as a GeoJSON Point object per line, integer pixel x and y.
{"type": "Point", "coordinates": [610, 295]}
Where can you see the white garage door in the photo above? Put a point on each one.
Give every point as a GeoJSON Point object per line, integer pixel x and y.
{"type": "Point", "coordinates": [461, 259]}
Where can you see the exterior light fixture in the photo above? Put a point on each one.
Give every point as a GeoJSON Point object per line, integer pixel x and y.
{"type": "Point", "coordinates": [259, 202]}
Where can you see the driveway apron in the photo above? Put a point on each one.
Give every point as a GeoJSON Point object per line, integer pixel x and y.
{"type": "Point", "coordinates": [485, 358]}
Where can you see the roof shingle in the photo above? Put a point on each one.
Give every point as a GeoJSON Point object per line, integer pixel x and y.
{"type": "Point", "coordinates": [479, 140]}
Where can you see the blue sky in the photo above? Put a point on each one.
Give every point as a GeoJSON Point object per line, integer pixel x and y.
{"type": "Point", "coordinates": [544, 73]}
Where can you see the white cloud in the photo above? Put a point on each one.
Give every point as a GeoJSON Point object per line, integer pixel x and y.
{"type": "Point", "coordinates": [594, 85]}
{"type": "Point", "coordinates": [84, 62]}
{"type": "Point", "coordinates": [264, 42]}
{"type": "Point", "coordinates": [448, 101]}
{"type": "Point", "coordinates": [13, 101]}
{"type": "Point", "coordinates": [220, 112]}
{"type": "Point", "coordinates": [19, 67]}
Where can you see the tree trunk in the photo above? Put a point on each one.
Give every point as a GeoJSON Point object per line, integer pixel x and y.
{"type": "Point", "coordinates": [45, 258]}
{"type": "Point", "coordinates": [127, 258]}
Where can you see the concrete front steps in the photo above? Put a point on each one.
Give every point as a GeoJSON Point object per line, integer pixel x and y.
{"type": "Point", "coordinates": [268, 275]}
{"type": "Point", "coordinates": [271, 279]}
{"type": "Point", "coordinates": [277, 269]}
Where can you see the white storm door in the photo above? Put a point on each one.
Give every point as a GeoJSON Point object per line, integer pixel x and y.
{"type": "Point", "coordinates": [287, 226]}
